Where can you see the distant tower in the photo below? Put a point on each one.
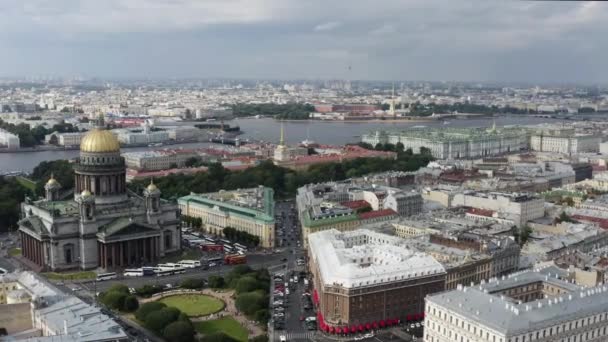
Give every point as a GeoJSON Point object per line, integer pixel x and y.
{"type": "Point", "coordinates": [51, 189]}
{"type": "Point", "coordinates": [281, 153]}
{"type": "Point", "coordinates": [391, 109]}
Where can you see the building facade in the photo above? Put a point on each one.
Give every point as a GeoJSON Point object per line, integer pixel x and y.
{"type": "Point", "coordinates": [454, 143]}
{"type": "Point", "coordinates": [9, 140]}
{"type": "Point", "coordinates": [523, 307]}
{"type": "Point", "coordinates": [564, 140]}
{"type": "Point", "coordinates": [248, 210]}
{"type": "Point", "coordinates": [364, 278]}
{"type": "Point", "coordinates": [104, 225]}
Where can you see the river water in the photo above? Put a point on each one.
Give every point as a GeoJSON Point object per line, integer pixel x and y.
{"type": "Point", "coordinates": [269, 130]}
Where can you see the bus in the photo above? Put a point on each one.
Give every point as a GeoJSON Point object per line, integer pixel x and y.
{"type": "Point", "coordinates": [228, 249]}
{"type": "Point", "coordinates": [240, 247]}
{"type": "Point", "coordinates": [226, 242]}
{"type": "Point", "coordinates": [217, 260]}
{"type": "Point", "coordinates": [162, 273]}
{"type": "Point", "coordinates": [168, 266]}
{"type": "Point", "coordinates": [189, 263]}
{"type": "Point", "coordinates": [208, 239]}
{"type": "Point", "coordinates": [133, 272]}
{"type": "Point", "coordinates": [106, 276]}
{"type": "Point", "coordinates": [149, 271]}
{"type": "Point", "coordinates": [235, 259]}
{"type": "Point", "coordinates": [212, 248]}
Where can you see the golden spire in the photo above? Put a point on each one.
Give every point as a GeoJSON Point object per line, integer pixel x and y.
{"type": "Point", "coordinates": [282, 140]}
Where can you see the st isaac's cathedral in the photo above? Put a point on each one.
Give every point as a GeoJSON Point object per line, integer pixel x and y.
{"type": "Point", "coordinates": [105, 225]}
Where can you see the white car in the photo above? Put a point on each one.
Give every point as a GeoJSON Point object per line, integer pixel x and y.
{"type": "Point", "coordinates": [279, 314]}
{"type": "Point", "coordinates": [282, 338]}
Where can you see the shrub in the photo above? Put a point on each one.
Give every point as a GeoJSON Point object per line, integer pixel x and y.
{"type": "Point", "coordinates": [262, 316]}
{"type": "Point", "coordinates": [246, 284]}
{"type": "Point", "coordinates": [216, 282]}
{"type": "Point", "coordinates": [131, 304]}
{"type": "Point", "coordinates": [148, 290]}
{"type": "Point", "coordinates": [158, 320]}
{"type": "Point", "coordinates": [114, 300]}
{"type": "Point", "coordinates": [250, 302]}
{"type": "Point", "coordinates": [119, 288]}
{"type": "Point", "coordinates": [148, 308]}
{"type": "Point", "coordinates": [179, 332]}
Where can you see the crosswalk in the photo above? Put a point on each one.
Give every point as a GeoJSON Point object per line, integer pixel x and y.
{"type": "Point", "coordinates": [295, 336]}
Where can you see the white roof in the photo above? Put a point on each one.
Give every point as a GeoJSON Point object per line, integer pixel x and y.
{"type": "Point", "coordinates": [363, 258]}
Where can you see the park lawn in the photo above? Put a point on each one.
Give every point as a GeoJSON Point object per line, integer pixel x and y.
{"type": "Point", "coordinates": [26, 183]}
{"type": "Point", "coordinates": [71, 276]}
{"type": "Point", "coordinates": [14, 252]}
{"type": "Point", "coordinates": [194, 305]}
{"type": "Point", "coordinates": [227, 325]}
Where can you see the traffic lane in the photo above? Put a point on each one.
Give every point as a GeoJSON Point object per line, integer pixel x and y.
{"type": "Point", "coordinates": [261, 261]}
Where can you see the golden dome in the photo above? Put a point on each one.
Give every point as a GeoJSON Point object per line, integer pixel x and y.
{"type": "Point", "coordinates": [99, 140]}
{"type": "Point", "coordinates": [151, 187]}
{"type": "Point", "coordinates": [85, 193]}
{"type": "Point", "coordinates": [52, 181]}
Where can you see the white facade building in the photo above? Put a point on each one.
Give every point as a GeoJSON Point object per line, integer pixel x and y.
{"type": "Point", "coordinates": [9, 140]}
{"type": "Point", "coordinates": [524, 307]}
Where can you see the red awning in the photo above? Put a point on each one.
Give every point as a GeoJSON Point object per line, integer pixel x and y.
{"type": "Point", "coordinates": [368, 326]}
{"type": "Point", "coordinates": [332, 330]}
{"type": "Point", "coordinates": [361, 328]}
{"type": "Point", "coordinates": [389, 322]}
{"type": "Point", "coordinates": [408, 317]}
{"type": "Point", "coordinates": [382, 323]}
{"type": "Point", "coordinates": [353, 329]}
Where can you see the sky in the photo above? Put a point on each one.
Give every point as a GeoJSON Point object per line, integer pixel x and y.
{"type": "Point", "coordinates": [439, 40]}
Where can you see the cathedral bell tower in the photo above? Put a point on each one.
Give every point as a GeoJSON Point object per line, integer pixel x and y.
{"type": "Point", "coordinates": [51, 189]}
{"type": "Point", "coordinates": [152, 200]}
{"type": "Point", "coordinates": [86, 205]}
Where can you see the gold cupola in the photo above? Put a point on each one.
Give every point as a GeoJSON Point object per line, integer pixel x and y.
{"type": "Point", "coordinates": [100, 141]}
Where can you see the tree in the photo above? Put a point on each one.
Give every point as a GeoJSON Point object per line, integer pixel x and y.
{"type": "Point", "coordinates": [114, 300]}
{"type": "Point", "coordinates": [53, 140]}
{"type": "Point", "coordinates": [158, 320]}
{"type": "Point", "coordinates": [246, 284]}
{"type": "Point", "coordinates": [119, 288]}
{"type": "Point", "coordinates": [173, 166]}
{"type": "Point", "coordinates": [250, 302]}
{"type": "Point", "coordinates": [147, 308]}
{"type": "Point", "coordinates": [179, 331]}
{"type": "Point", "coordinates": [130, 304]}
{"type": "Point", "coordinates": [216, 281]}
{"type": "Point", "coordinates": [191, 162]}
{"type": "Point", "coordinates": [399, 147]}
{"type": "Point", "coordinates": [262, 316]}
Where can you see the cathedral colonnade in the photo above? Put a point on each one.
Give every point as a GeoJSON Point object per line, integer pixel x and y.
{"type": "Point", "coordinates": [32, 249]}
{"type": "Point", "coordinates": [126, 253]}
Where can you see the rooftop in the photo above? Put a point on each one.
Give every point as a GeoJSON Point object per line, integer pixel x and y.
{"type": "Point", "coordinates": [483, 305]}
{"type": "Point", "coordinates": [363, 258]}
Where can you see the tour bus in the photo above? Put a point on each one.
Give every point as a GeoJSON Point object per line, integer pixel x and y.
{"type": "Point", "coordinates": [226, 242]}
{"type": "Point", "coordinates": [211, 248]}
{"type": "Point", "coordinates": [216, 261]}
{"type": "Point", "coordinates": [167, 272]}
{"type": "Point", "coordinates": [240, 247]}
{"type": "Point", "coordinates": [228, 249]}
{"type": "Point", "coordinates": [149, 271]}
{"type": "Point", "coordinates": [189, 263]}
{"type": "Point", "coordinates": [168, 266]}
{"type": "Point", "coordinates": [106, 276]}
{"type": "Point", "coordinates": [133, 272]}
{"type": "Point", "coordinates": [208, 239]}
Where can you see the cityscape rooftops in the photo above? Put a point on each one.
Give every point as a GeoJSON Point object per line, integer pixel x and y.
{"type": "Point", "coordinates": [364, 258]}
{"type": "Point", "coordinates": [482, 304]}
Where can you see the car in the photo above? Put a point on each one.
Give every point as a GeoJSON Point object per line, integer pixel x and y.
{"type": "Point", "coordinates": [284, 260]}
{"type": "Point", "coordinates": [131, 290]}
{"type": "Point", "coordinates": [282, 338]}
{"type": "Point", "coordinates": [279, 309]}
{"type": "Point", "coordinates": [212, 264]}
{"type": "Point", "coordinates": [279, 314]}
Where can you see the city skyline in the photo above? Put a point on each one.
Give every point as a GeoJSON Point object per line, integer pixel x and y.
{"type": "Point", "coordinates": [544, 42]}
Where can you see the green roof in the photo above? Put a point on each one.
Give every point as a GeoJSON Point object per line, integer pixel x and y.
{"type": "Point", "coordinates": [308, 222]}
{"type": "Point", "coordinates": [265, 215]}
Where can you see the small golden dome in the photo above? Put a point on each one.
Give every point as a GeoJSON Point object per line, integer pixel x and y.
{"type": "Point", "coordinates": [85, 193]}
{"type": "Point", "coordinates": [99, 140]}
{"type": "Point", "coordinates": [52, 181]}
{"type": "Point", "coordinates": [151, 187]}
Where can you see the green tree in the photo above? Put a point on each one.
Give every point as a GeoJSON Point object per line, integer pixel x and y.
{"type": "Point", "coordinates": [114, 300]}
{"type": "Point", "coordinates": [246, 284]}
{"type": "Point", "coordinates": [119, 288]}
{"type": "Point", "coordinates": [192, 283]}
{"type": "Point", "coordinates": [130, 304]}
{"type": "Point", "coordinates": [158, 320]}
{"type": "Point", "coordinates": [147, 308]}
{"type": "Point", "coordinates": [216, 282]}
{"type": "Point", "coordinates": [179, 332]}
{"type": "Point", "coordinates": [250, 302]}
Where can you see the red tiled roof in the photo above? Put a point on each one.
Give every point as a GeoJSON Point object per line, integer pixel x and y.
{"type": "Point", "coordinates": [602, 222]}
{"type": "Point", "coordinates": [481, 212]}
{"type": "Point", "coordinates": [355, 204]}
{"type": "Point", "coordinates": [377, 213]}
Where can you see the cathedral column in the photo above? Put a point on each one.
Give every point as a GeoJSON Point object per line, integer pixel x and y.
{"type": "Point", "coordinates": [145, 249]}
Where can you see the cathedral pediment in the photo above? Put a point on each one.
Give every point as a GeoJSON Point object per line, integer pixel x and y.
{"type": "Point", "coordinates": [34, 224]}
{"type": "Point", "coordinates": [123, 227]}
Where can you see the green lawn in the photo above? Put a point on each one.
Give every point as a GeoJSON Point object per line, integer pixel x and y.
{"type": "Point", "coordinates": [14, 251]}
{"type": "Point", "coordinates": [26, 183]}
{"type": "Point", "coordinates": [227, 325]}
{"type": "Point", "coordinates": [71, 276]}
{"type": "Point", "coordinates": [194, 305]}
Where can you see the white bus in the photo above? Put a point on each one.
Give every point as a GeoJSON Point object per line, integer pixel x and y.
{"type": "Point", "coordinates": [133, 272]}
{"type": "Point", "coordinates": [226, 242]}
{"type": "Point", "coordinates": [189, 263]}
{"type": "Point", "coordinates": [106, 276]}
{"type": "Point", "coordinates": [240, 247]}
{"type": "Point", "coordinates": [228, 249]}
{"type": "Point", "coordinates": [168, 266]}
{"type": "Point", "coordinates": [161, 272]}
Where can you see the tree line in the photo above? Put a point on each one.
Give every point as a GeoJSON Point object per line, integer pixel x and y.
{"type": "Point", "coordinates": [241, 237]}
{"type": "Point", "coordinates": [288, 111]}
{"type": "Point", "coordinates": [29, 137]}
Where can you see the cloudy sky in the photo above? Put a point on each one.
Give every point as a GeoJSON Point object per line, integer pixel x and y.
{"type": "Point", "coordinates": [467, 40]}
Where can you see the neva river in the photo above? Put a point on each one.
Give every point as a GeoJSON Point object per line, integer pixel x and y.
{"type": "Point", "coordinates": [267, 129]}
